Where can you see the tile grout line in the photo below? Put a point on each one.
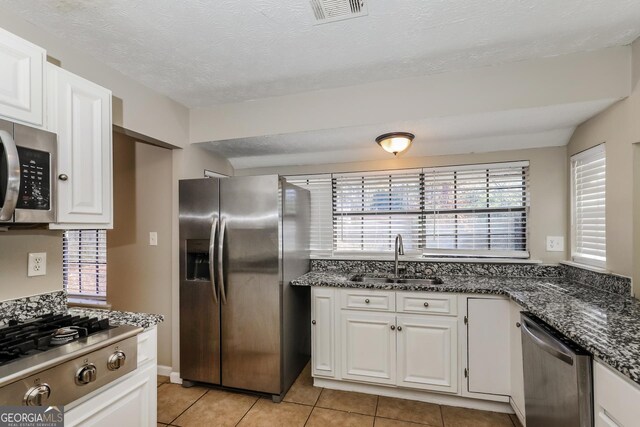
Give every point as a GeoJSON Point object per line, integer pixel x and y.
{"type": "Point", "coordinates": [245, 414]}
{"type": "Point", "coordinates": [194, 402]}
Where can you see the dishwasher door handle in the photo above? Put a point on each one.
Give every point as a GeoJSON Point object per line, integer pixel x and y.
{"type": "Point", "coordinates": [548, 344]}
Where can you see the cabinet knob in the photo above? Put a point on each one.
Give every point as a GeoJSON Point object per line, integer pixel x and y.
{"type": "Point", "coordinates": [517, 324]}
{"type": "Point", "coordinates": [367, 300]}
{"type": "Point", "coordinates": [63, 177]}
{"type": "Point", "coordinates": [399, 328]}
{"type": "Point", "coordinates": [313, 322]}
{"type": "Point", "coordinates": [393, 327]}
{"type": "Point", "coordinates": [426, 304]}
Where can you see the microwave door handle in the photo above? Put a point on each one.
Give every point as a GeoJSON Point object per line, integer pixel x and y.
{"type": "Point", "coordinates": [13, 176]}
{"type": "Point", "coordinates": [223, 230]}
{"type": "Point", "coordinates": [212, 246]}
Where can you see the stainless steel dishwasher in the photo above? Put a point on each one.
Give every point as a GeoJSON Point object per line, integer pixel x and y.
{"type": "Point", "coordinates": [558, 386]}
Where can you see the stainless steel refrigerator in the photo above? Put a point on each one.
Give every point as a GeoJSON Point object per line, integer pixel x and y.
{"type": "Point", "coordinates": [242, 240]}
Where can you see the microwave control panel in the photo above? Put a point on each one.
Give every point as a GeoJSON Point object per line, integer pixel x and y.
{"type": "Point", "coordinates": [35, 179]}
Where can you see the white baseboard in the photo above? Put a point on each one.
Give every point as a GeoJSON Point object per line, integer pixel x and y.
{"type": "Point", "coordinates": [164, 370]}
{"type": "Point", "coordinates": [174, 377]}
{"type": "Point", "coordinates": [422, 396]}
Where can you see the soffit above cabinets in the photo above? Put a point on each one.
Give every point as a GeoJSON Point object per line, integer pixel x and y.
{"type": "Point", "coordinates": [203, 53]}
{"type": "Point", "coordinates": [475, 133]}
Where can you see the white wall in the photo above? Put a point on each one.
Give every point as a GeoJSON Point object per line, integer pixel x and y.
{"type": "Point", "coordinates": [547, 174]}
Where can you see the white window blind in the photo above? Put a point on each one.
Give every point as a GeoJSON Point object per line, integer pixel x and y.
{"type": "Point", "coordinates": [84, 263]}
{"type": "Point", "coordinates": [464, 211]}
{"type": "Point", "coordinates": [370, 209]}
{"type": "Point", "coordinates": [477, 210]}
{"type": "Point", "coordinates": [321, 218]}
{"type": "Point", "coordinates": [588, 182]}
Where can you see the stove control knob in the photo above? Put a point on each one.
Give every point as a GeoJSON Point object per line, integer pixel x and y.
{"type": "Point", "coordinates": [116, 361]}
{"type": "Point", "coordinates": [86, 374]}
{"type": "Point", "coordinates": [37, 395]}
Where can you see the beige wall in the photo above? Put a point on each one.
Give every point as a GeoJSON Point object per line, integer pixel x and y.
{"type": "Point", "coordinates": [619, 128]}
{"type": "Point", "coordinates": [548, 173]}
{"type": "Point", "coordinates": [139, 275]}
{"type": "Point", "coordinates": [14, 251]}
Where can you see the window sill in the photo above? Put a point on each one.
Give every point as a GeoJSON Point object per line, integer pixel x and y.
{"type": "Point", "coordinates": [585, 266]}
{"type": "Point", "coordinates": [429, 259]}
{"type": "Point", "coordinates": [88, 303]}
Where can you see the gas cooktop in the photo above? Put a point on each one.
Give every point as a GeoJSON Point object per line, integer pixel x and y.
{"type": "Point", "coordinates": [21, 339]}
{"type": "Point", "coordinates": [58, 358]}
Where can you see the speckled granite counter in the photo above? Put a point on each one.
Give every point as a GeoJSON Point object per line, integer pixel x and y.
{"type": "Point", "coordinates": [604, 323]}
{"type": "Point", "coordinates": [56, 302]}
{"type": "Point", "coordinates": [143, 320]}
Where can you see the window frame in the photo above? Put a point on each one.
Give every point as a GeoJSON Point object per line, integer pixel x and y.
{"type": "Point", "coordinates": [576, 256]}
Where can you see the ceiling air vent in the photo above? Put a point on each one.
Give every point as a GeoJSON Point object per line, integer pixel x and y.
{"type": "Point", "coordinates": [336, 10]}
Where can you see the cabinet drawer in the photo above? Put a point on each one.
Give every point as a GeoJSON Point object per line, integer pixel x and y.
{"type": "Point", "coordinates": [369, 300]}
{"type": "Point", "coordinates": [427, 303]}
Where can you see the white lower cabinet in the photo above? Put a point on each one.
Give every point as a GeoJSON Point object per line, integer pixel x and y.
{"type": "Point", "coordinates": [517, 374]}
{"type": "Point", "coordinates": [323, 332]}
{"type": "Point", "coordinates": [131, 401]}
{"type": "Point", "coordinates": [428, 352]}
{"type": "Point", "coordinates": [368, 347]}
{"type": "Point", "coordinates": [615, 399]}
{"type": "Point", "coordinates": [488, 363]}
{"type": "Point", "coordinates": [126, 404]}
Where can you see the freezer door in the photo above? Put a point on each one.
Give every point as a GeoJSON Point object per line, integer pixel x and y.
{"type": "Point", "coordinates": [199, 293]}
{"type": "Point", "coordinates": [251, 291]}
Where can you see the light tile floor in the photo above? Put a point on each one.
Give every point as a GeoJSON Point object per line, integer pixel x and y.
{"type": "Point", "coordinates": [306, 405]}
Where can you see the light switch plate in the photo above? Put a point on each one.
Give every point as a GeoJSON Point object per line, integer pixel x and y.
{"type": "Point", "coordinates": [37, 265]}
{"type": "Point", "coordinates": [555, 243]}
{"type": "Point", "coordinates": [153, 238]}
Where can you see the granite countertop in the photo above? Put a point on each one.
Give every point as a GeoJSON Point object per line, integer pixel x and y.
{"type": "Point", "coordinates": [143, 320]}
{"type": "Point", "coordinates": [604, 323]}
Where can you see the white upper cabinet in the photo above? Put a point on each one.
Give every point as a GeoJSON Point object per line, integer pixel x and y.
{"type": "Point", "coordinates": [21, 80]}
{"type": "Point", "coordinates": [79, 111]}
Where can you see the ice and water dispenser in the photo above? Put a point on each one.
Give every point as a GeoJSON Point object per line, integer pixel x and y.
{"type": "Point", "coordinates": [198, 260]}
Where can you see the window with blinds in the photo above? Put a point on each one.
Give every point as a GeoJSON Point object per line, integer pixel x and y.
{"type": "Point", "coordinates": [84, 263]}
{"type": "Point", "coordinates": [462, 211]}
{"type": "Point", "coordinates": [588, 195]}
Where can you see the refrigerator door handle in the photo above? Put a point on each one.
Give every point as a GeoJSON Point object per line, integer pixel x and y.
{"type": "Point", "coordinates": [223, 229]}
{"type": "Point", "coordinates": [212, 246]}
{"type": "Point", "coordinates": [13, 176]}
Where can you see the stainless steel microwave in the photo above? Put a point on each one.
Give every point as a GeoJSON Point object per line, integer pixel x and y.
{"type": "Point", "coordinates": [27, 174]}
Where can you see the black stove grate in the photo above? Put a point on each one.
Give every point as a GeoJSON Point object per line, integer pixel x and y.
{"type": "Point", "coordinates": [20, 339]}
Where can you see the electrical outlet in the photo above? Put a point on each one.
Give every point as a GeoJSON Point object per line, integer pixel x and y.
{"type": "Point", "coordinates": [37, 265]}
{"type": "Point", "coordinates": [153, 238]}
{"type": "Point", "coordinates": [555, 243]}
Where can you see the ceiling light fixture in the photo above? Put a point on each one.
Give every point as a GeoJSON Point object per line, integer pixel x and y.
{"type": "Point", "coordinates": [395, 142]}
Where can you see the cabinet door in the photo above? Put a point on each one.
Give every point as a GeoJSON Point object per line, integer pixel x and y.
{"type": "Point", "coordinates": [131, 402]}
{"type": "Point", "coordinates": [615, 398]}
{"type": "Point", "coordinates": [517, 373]}
{"type": "Point", "coordinates": [323, 332]}
{"type": "Point", "coordinates": [488, 346]}
{"type": "Point", "coordinates": [80, 113]}
{"type": "Point", "coordinates": [21, 79]}
{"type": "Point", "coordinates": [428, 353]}
{"type": "Point", "coordinates": [368, 346]}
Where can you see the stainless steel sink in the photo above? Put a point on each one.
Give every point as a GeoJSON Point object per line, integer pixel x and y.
{"type": "Point", "coordinates": [403, 280]}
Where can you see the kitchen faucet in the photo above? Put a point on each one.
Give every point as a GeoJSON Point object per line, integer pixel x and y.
{"type": "Point", "coordinates": [398, 251]}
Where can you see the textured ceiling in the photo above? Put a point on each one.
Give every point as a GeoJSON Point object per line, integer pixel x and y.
{"type": "Point", "coordinates": [209, 52]}
{"type": "Point", "coordinates": [495, 131]}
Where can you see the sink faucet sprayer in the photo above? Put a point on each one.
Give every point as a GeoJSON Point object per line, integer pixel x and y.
{"type": "Point", "coordinates": [398, 251]}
